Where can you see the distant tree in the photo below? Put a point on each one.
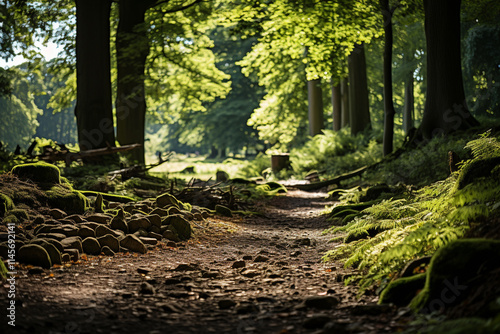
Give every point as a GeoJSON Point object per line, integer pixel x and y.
{"type": "Point", "coordinates": [359, 108]}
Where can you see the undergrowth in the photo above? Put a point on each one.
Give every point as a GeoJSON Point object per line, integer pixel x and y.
{"type": "Point", "coordinates": [336, 152]}
{"type": "Point", "coordinates": [386, 236]}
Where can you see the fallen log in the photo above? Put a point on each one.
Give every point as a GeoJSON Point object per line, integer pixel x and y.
{"type": "Point", "coordinates": [68, 156]}
{"type": "Point", "coordinates": [335, 180]}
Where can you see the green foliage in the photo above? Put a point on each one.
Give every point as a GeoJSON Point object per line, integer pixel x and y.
{"type": "Point", "coordinates": [18, 112]}
{"type": "Point", "coordinates": [422, 165]}
{"type": "Point", "coordinates": [389, 234]}
{"type": "Point", "coordinates": [336, 152]}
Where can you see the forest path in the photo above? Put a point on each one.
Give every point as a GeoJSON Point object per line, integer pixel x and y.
{"type": "Point", "coordinates": [258, 274]}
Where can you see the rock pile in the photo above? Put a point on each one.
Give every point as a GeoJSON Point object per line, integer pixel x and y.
{"type": "Point", "coordinates": [57, 236]}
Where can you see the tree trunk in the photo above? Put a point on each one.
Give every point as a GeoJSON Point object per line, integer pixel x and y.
{"type": "Point", "coordinates": [94, 111]}
{"type": "Point", "coordinates": [132, 49]}
{"type": "Point", "coordinates": [445, 108]}
{"type": "Point", "coordinates": [344, 92]}
{"type": "Point", "coordinates": [337, 106]}
{"type": "Point", "coordinates": [389, 111]}
{"type": "Point", "coordinates": [359, 109]}
{"type": "Point", "coordinates": [315, 97]}
{"type": "Point", "coordinates": [409, 104]}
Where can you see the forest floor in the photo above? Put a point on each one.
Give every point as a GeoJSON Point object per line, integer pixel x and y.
{"type": "Point", "coordinates": [252, 274]}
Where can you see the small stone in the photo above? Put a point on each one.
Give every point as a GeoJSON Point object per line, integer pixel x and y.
{"type": "Point", "coordinates": [76, 218]}
{"type": "Point", "coordinates": [223, 210]}
{"type": "Point", "coordinates": [73, 242]}
{"type": "Point", "coordinates": [210, 274]}
{"type": "Point", "coordinates": [118, 223]}
{"type": "Point", "coordinates": [250, 273]}
{"type": "Point", "coordinates": [139, 223]}
{"type": "Point", "coordinates": [155, 235]}
{"type": "Point", "coordinates": [225, 304]}
{"type": "Point", "coordinates": [295, 254]}
{"type": "Point", "coordinates": [109, 241]}
{"type": "Point", "coordinates": [261, 258]}
{"type": "Point", "coordinates": [99, 218]}
{"type": "Point", "coordinates": [107, 251]}
{"type": "Point", "coordinates": [91, 246]}
{"type": "Point", "coordinates": [147, 289]}
{"type": "Point", "coordinates": [102, 230]}
{"type": "Point", "coordinates": [149, 241]}
{"type": "Point", "coordinates": [179, 225]}
{"type": "Point", "coordinates": [66, 257]}
{"type": "Point", "coordinates": [238, 264]}
{"type": "Point", "coordinates": [144, 271]}
{"type": "Point", "coordinates": [85, 232]}
{"type": "Point", "coordinates": [248, 257]}
{"type": "Point", "coordinates": [52, 250]}
{"type": "Point", "coordinates": [133, 243]}
{"type": "Point", "coordinates": [186, 267]}
{"type": "Point", "coordinates": [57, 213]}
{"type": "Point", "coordinates": [35, 255]}
{"type": "Point", "coordinates": [171, 244]}
{"type": "Point", "coordinates": [154, 219]}
{"type": "Point", "coordinates": [74, 254]}
{"type": "Point", "coordinates": [321, 302]}
{"type": "Point", "coordinates": [171, 235]}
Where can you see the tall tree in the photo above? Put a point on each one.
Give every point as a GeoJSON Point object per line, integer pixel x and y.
{"type": "Point", "coordinates": [389, 111]}
{"type": "Point", "coordinates": [359, 108]}
{"type": "Point", "coordinates": [445, 106]}
{"type": "Point", "coordinates": [132, 49]}
{"type": "Point", "coordinates": [94, 108]}
{"type": "Point", "coordinates": [315, 106]}
{"type": "Point", "coordinates": [336, 105]}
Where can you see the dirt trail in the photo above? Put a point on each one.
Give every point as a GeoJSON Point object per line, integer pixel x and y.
{"type": "Point", "coordinates": [260, 274]}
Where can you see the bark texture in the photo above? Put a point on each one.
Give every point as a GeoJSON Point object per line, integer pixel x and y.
{"type": "Point", "coordinates": [315, 97]}
{"type": "Point", "coordinates": [94, 113]}
{"type": "Point", "coordinates": [132, 49]}
{"type": "Point", "coordinates": [359, 109]}
{"type": "Point", "coordinates": [445, 108]}
{"type": "Point", "coordinates": [337, 107]}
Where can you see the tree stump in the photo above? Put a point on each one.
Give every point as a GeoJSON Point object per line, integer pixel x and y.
{"type": "Point", "coordinates": [280, 162]}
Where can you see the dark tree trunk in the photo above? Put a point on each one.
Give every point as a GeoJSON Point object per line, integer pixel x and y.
{"type": "Point", "coordinates": [359, 109]}
{"type": "Point", "coordinates": [389, 111]}
{"type": "Point", "coordinates": [445, 108]}
{"type": "Point", "coordinates": [315, 97]}
{"type": "Point", "coordinates": [344, 92]}
{"type": "Point", "coordinates": [409, 104]}
{"type": "Point", "coordinates": [337, 106]}
{"type": "Point", "coordinates": [94, 111]}
{"type": "Point", "coordinates": [132, 49]}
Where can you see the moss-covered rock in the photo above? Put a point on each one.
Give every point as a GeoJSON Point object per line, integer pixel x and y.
{"type": "Point", "coordinates": [166, 200]}
{"type": "Point", "coordinates": [67, 199]}
{"type": "Point", "coordinates": [40, 172]}
{"type": "Point", "coordinates": [133, 243]}
{"type": "Point", "coordinates": [475, 170]}
{"type": "Point", "coordinates": [35, 255]}
{"type": "Point", "coordinates": [223, 210]}
{"type": "Point", "coordinates": [20, 214]}
{"type": "Point", "coordinates": [6, 204]}
{"type": "Point", "coordinates": [375, 192]}
{"type": "Point", "coordinates": [91, 246]}
{"type": "Point", "coordinates": [179, 225]}
{"type": "Point", "coordinates": [401, 291]}
{"type": "Point", "coordinates": [451, 271]}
